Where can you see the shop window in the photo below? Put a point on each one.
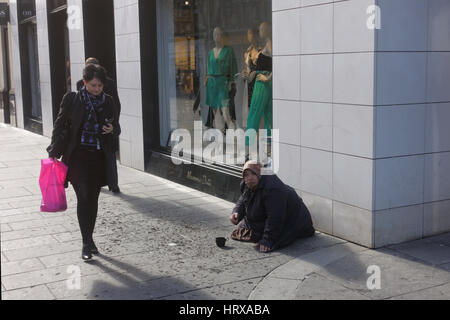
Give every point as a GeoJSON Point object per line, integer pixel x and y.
{"type": "Point", "coordinates": [31, 92]}
{"type": "Point", "coordinates": [210, 56]}
{"type": "Point", "coordinates": [58, 36]}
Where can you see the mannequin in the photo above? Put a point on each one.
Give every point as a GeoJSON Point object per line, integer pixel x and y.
{"type": "Point", "coordinates": [221, 71]}
{"type": "Point", "coordinates": [250, 58]}
{"type": "Point", "coordinates": [261, 103]}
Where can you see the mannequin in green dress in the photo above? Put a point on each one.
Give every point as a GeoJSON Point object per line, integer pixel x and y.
{"type": "Point", "coordinates": [261, 103]}
{"type": "Point", "coordinates": [221, 71]}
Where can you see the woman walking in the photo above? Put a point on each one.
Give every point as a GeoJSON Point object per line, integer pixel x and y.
{"type": "Point", "coordinates": [83, 135]}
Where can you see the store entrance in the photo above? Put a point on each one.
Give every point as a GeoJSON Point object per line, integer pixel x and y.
{"type": "Point", "coordinates": [99, 35]}
{"type": "Point", "coordinates": [5, 77]}
{"type": "Point", "coordinates": [58, 36]}
{"type": "Point", "coordinates": [31, 92]}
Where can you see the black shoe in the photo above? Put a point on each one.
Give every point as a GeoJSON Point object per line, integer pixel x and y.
{"type": "Point", "coordinates": [115, 190]}
{"type": "Point", "coordinates": [93, 248]}
{"type": "Point", "coordinates": [86, 253]}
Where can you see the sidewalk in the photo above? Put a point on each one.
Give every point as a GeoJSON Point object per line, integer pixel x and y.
{"type": "Point", "coordinates": [157, 241]}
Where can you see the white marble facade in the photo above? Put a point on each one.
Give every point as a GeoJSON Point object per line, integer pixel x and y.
{"type": "Point", "coordinates": [371, 141]}
{"type": "Point", "coordinates": [363, 113]}
{"type": "Point", "coordinates": [128, 62]}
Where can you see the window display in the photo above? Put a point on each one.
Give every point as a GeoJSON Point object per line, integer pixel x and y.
{"type": "Point", "coordinates": [214, 68]}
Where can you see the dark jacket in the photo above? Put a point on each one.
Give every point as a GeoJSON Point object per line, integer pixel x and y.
{"type": "Point", "coordinates": [69, 123]}
{"type": "Point", "coordinates": [110, 88]}
{"type": "Point", "coordinates": [274, 212]}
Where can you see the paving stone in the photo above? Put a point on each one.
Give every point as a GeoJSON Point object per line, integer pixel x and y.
{"type": "Point", "coordinates": [4, 206]}
{"type": "Point", "coordinates": [273, 287]}
{"type": "Point", "coordinates": [445, 266]}
{"type": "Point", "coordinates": [108, 286]}
{"type": "Point", "coordinates": [34, 189]}
{"type": "Point", "coordinates": [41, 251]}
{"type": "Point", "coordinates": [39, 223]}
{"type": "Point", "coordinates": [440, 292]}
{"type": "Point", "coordinates": [21, 204]}
{"type": "Point", "coordinates": [317, 287]}
{"type": "Point", "coordinates": [24, 198]}
{"type": "Point", "coordinates": [33, 163]}
{"type": "Point", "coordinates": [319, 240]}
{"type": "Point", "coordinates": [71, 225]}
{"type": "Point", "coordinates": [68, 236]}
{"type": "Point", "coordinates": [13, 156]}
{"type": "Point", "coordinates": [49, 275]}
{"type": "Point", "coordinates": [20, 217]}
{"type": "Point", "coordinates": [10, 268]}
{"type": "Point", "coordinates": [433, 253]}
{"type": "Point", "coordinates": [233, 273]}
{"type": "Point", "coordinates": [17, 175]}
{"type": "Point", "coordinates": [15, 211]}
{"type": "Point", "coordinates": [399, 274]}
{"type": "Point", "coordinates": [30, 169]}
{"type": "Point", "coordinates": [32, 293]}
{"type": "Point", "coordinates": [4, 227]}
{"type": "Point", "coordinates": [440, 239]}
{"type": "Point", "coordinates": [310, 262]}
{"type": "Point", "coordinates": [19, 182]}
{"type": "Point", "coordinates": [33, 232]}
{"type": "Point", "coordinates": [3, 259]}
{"type": "Point", "coordinates": [27, 242]}
{"type": "Point", "coordinates": [239, 290]}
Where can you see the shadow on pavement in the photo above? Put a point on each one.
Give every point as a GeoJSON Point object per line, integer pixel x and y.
{"type": "Point", "coordinates": [135, 284]}
{"type": "Point", "coordinates": [196, 209]}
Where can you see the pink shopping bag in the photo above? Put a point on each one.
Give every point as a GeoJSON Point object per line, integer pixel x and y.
{"type": "Point", "coordinates": [51, 181]}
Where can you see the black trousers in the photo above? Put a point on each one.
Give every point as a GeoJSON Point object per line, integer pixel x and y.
{"type": "Point", "coordinates": [87, 208]}
{"type": "Point", "coordinates": [87, 174]}
{"type": "Point", "coordinates": [113, 178]}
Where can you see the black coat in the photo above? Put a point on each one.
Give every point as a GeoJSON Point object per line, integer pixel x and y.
{"type": "Point", "coordinates": [110, 88]}
{"type": "Point", "coordinates": [69, 124]}
{"type": "Point", "coordinates": [274, 212]}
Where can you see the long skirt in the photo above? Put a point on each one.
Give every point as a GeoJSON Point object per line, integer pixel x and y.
{"type": "Point", "coordinates": [261, 106]}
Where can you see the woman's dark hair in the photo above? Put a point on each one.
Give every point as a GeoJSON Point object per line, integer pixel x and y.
{"type": "Point", "coordinates": [92, 71]}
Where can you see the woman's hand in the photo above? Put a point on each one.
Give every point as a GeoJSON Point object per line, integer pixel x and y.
{"type": "Point", "coordinates": [263, 248]}
{"type": "Point", "coordinates": [262, 77]}
{"type": "Point", "coordinates": [234, 218]}
{"type": "Point", "coordinates": [107, 129]}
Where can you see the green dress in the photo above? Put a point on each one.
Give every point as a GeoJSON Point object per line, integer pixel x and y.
{"type": "Point", "coordinates": [220, 72]}
{"type": "Point", "coordinates": [261, 103]}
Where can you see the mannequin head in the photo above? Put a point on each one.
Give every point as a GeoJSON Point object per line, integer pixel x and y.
{"type": "Point", "coordinates": [218, 36]}
{"type": "Point", "coordinates": [252, 36]}
{"type": "Point", "coordinates": [265, 31]}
